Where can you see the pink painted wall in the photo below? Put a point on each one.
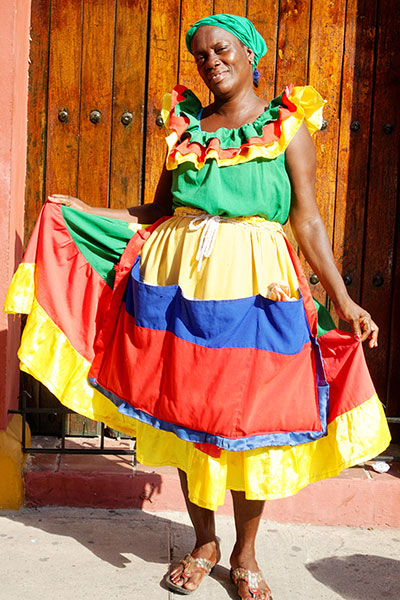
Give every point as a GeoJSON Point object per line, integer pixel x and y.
{"type": "Point", "coordinates": [14, 48]}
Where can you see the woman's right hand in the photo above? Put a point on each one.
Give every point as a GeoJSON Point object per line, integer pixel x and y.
{"type": "Point", "coordinates": [360, 320]}
{"type": "Point", "coordinates": [69, 201]}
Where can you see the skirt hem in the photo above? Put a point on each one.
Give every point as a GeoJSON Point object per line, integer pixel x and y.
{"type": "Point", "coordinates": [274, 496]}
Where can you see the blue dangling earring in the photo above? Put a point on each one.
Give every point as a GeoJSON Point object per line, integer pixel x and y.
{"type": "Point", "coordinates": [256, 77]}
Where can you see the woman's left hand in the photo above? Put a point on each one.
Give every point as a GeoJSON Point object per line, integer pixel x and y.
{"type": "Point", "coordinates": [69, 201]}
{"type": "Point", "coordinates": [360, 320]}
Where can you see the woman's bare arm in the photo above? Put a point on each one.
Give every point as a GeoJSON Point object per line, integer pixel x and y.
{"type": "Point", "coordinates": [146, 213]}
{"type": "Point", "coordinates": [312, 237]}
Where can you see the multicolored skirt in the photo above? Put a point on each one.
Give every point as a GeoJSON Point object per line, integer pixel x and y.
{"type": "Point", "coordinates": [208, 349]}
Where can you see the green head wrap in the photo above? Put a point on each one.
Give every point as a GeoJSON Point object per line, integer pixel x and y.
{"type": "Point", "coordinates": [240, 27]}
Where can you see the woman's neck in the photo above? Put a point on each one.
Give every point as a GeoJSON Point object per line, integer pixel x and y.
{"type": "Point", "coordinates": [232, 112]}
{"type": "Point", "coordinates": [239, 103]}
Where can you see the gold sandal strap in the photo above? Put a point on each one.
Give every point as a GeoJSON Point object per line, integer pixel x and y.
{"type": "Point", "coordinates": [252, 578]}
{"type": "Point", "coordinates": [191, 564]}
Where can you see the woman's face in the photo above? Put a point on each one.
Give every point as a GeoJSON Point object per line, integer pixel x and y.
{"type": "Point", "coordinates": [223, 62]}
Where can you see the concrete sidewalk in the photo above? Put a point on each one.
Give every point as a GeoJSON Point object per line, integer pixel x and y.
{"type": "Point", "coordinates": [97, 554]}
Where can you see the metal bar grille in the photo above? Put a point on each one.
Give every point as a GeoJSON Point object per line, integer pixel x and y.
{"type": "Point", "coordinates": [25, 410]}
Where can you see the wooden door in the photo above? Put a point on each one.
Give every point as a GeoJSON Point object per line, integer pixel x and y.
{"type": "Point", "coordinates": [99, 69]}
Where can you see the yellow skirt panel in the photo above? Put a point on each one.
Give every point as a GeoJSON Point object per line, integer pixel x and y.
{"type": "Point", "coordinates": [247, 256]}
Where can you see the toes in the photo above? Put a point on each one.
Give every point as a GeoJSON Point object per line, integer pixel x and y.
{"type": "Point", "coordinates": [243, 591]}
{"type": "Point", "coordinates": [176, 580]}
{"type": "Point", "coordinates": [192, 583]}
{"type": "Point", "coordinates": [245, 594]}
{"type": "Point", "coordinates": [176, 576]}
{"type": "Point", "coordinates": [189, 585]}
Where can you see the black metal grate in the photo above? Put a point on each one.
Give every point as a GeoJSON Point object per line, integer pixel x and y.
{"type": "Point", "coordinates": [63, 411]}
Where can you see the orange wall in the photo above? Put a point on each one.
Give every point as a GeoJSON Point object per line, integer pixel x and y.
{"type": "Point", "coordinates": [14, 47]}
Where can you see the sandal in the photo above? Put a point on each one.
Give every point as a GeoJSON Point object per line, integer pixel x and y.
{"type": "Point", "coordinates": [253, 580]}
{"type": "Point", "coordinates": [190, 566]}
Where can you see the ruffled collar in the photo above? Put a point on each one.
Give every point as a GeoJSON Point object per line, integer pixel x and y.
{"type": "Point", "coordinates": [184, 119]}
{"type": "Point", "coordinates": [267, 136]}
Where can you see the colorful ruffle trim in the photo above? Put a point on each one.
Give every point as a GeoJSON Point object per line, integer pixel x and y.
{"type": "Point", "coordinates": [267, 137]}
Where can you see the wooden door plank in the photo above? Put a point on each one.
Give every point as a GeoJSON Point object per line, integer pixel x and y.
{"type": "Point", "coordinates": [163, 76]}
{"type": "Point", "coordinates": [129, 96]}
{"type": "Point", "coordinates": [264, 15]}
{"type": "Point", "coordinates": [383, 188]}
{"type": "Point", "coordinates": [64, 90]}
{"type": "Point", "coordinates": [352, 173]}
{"type": "Point", "coordinates": [232, 7]}
{"type": "Point", "coordinates": [393, 388]}
{"type": "Point", "coordinates": [96, 94]}
{"type": "Point", "coordinates": [292, 57]}
{"type": "Point", "coordinates": [293, 43]}
{"type": "Point", "coordinates": [325, 72]}
{"type": "Point", "coordinates": [190, 13]}
{"type": "Point", "coordinates": [52, 146]}
{"type": "Point", "coordinates": [37, 111]}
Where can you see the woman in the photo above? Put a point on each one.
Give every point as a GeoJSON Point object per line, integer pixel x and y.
{"type": "Point", "coordinates": [239, 328]}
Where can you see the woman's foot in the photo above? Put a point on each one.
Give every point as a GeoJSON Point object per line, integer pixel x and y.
{"type": "Point", "coordinates": [248, 587]}
{"type": "Point", "coordinates": [210, 552]}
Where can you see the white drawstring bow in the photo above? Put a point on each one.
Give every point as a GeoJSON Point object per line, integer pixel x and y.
{"type": "Point", "coordinates": [210, 224]}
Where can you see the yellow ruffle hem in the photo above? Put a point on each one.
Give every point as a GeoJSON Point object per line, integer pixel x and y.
{"type": "Point", "coordinates": [21, 293]}
{"type": "Point", "coordinates": [273, 472]}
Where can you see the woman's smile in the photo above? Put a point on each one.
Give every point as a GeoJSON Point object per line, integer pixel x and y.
{"type": "Point", "coordinates": [218, 76]}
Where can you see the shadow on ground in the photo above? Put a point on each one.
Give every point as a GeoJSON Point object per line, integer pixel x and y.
{"type": "Point", "coordinates": [113, 535]}
{"type": "Point", "coordinates": [110, 534]}
{"type": "Point", "coordinates": [359, 576]}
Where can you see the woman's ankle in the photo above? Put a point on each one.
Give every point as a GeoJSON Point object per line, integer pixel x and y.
{"type": "Point", "coordinates": [208, 549]}
{"type": "Point", "coordinates": [243, 555]}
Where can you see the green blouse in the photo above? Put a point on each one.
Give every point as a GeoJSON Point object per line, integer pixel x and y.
{"type": "Point", "coordinates": [236, 172]}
